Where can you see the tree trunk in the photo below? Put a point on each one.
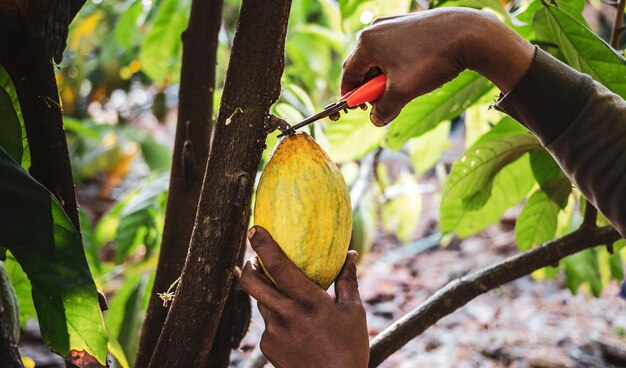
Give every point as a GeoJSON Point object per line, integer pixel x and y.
{"type": "Point", "coordinates": [252, 86]}
{"type": "Point", "coordinates": [191, 149]}
{"type": "Point", "coordinates": [28, 47]}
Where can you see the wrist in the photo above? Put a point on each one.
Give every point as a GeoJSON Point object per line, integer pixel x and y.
{"type": "Point", "coordinates": [495, 51]}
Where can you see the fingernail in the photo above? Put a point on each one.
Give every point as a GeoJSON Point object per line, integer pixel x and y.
{"type": "Point", "coordinates": [376, 121]}
{"type": "Point", "coordinates": [355, 257]}
{"type": "Point", "coordinates": [251, 232]}
{"type": "Point", "coordinates": [237, 272]}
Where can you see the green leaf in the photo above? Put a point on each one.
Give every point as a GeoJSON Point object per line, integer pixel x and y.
{"type": "Point", "coordinates": [537, 223]}
{"type": "Point", "coordinates": [126, 30]}
{"type": "Point", "coordinates": [137, 219]}
{"type": "Point", "coordinates": [494, 5]}
{"type": "Point", "coordinates": [43, 240]}
{"type": "Point", "coordinates": [10, 129]}
{"type": "Point", "coordinates": [160, 55]}
{"type": "Point", "coordinates": [544, 167]}
{"type": "Point", "coordinates": [353, 136]}
{"type": "Point", "coordinates": [506, 127]}
{"type": "Point", "coordinates": [581, 48]}
{"type": "Point", "coordinates": [9, 304]}
{"type": "Point", "coordinates": [80, 128]}
{"type": "Point", "coordinates": [509, 187]}
{"type": "Point", "coordinates": [425, 112]}
{"type": "Point", "coordinates": [583, 269]}
{"type": "Point", "coordinates": [21, 284]}
{"type": "Point", "coordinates": [126, 314]}
{"type": "Point", "coordinates": [480, 118]}
{"type": "Point", "coordinates": [426, 149]}
{"type": "Point", "coordinates": [12, 132]}
{"type": "Point", "coordinates": [117, 352]}
{"type": "Point", "coordinates": [157, 156]}
{"type": "Point", "coordinates": [476, 169]}
{"type": "Point", "coordinates": [349, 7]}
{"type": "Point", "coordinates": [401, 213]}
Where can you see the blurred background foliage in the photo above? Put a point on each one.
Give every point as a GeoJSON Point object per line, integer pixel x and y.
{"type": "Point", "coordinates": [119, 89]}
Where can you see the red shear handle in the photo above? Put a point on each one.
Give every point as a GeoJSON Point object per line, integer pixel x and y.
{"type": "Point", "coordinates": [368, 92]}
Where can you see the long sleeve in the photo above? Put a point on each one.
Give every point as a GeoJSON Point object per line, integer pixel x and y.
{"type": "Point", "coordinates": [583, 126]}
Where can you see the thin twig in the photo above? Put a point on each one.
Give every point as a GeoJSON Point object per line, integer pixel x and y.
{"type": "Point", "coordinates": [460, 291]}
{"type": "Point", "coordinates": [617, 24]}
{"type": "Point", "coordinates": [591, 215]}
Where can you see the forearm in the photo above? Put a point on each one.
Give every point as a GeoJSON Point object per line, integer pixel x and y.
{"type": "Point", "coordinates": [582, 124]}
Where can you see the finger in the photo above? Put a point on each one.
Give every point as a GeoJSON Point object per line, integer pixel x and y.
{"type": "Point", "coordinates": [355, 67]}
{"type": "Point", "coordinates": [388, 106]}
{"type": "Point", "coordinates": [258, 286]}
{"type": "Point", "coordinates": [346, 284]}
{"type": "Point", "coordinates": [286, 275]}
{"type": "Point", "coordinates": [266, 313]}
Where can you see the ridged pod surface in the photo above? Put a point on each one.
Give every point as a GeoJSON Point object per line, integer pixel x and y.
{"type": "Point", "coordinates": [304, 203]}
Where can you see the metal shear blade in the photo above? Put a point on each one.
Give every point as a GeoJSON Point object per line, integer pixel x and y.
{"type": "Point", "coordinates": [328, 111]}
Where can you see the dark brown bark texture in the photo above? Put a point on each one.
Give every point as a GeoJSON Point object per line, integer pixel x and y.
{"type": "Point", "coordinates": [461, 291]}
{"type": "Point", "coordinates": [191, 149]}
{"type": "Point", "coordinates": [252, 86]}
{"type": "Point", "coordinates": [9, 355]}
{"type": "Point", "coordinates": [28, 46]}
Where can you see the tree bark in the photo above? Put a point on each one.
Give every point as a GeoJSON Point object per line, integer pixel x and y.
{"type": "Point", "coordinates": [27, 50]}
{"type": "Point", "coordinates": [9, 355]}
{"type": "Point", "coordinates": [461, 291]}
{"type": "Point", "coordinates": [191, 149]}
{"type": "Point", "coordinates": [252, 86]}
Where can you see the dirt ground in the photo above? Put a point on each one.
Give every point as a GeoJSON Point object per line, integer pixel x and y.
{"type": "Point", "coordinates": [523, 324]}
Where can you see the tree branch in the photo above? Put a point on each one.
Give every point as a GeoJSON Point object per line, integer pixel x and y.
{"type": "Point", "coordinates": [191, 150]}
{"type": "Point", "coordinates": [460, 291]}
{"type": "Point", "coordinates": [27, 57]}
{"type": "Point", "coordinates": [591, 215]}
{"type": "Point", "coordinates": [252, 86]}
{"type": "Point", "coordinates": [616, 32]}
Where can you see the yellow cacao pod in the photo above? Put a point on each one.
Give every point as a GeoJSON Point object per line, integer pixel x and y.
{"type": "Point", "coordinates": [304, 203]}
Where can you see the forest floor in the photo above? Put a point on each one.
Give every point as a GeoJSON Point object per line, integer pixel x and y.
{"type": "Point", "coordinates": [526, 323]}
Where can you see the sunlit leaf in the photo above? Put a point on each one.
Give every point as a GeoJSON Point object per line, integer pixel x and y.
{"type": "Point", "coordinates": [6, 127]}
{"type": "Point", "coordinates": [509, 187]}
{"type": "Point", "coordinates": [445, 103]}
{"type": "Point", "coordinates": [583, 269]}
{"type": "Point", "coordinates": [353, 136]}
{"type": "Point", "coordinates": [505, 127]}
{"type": "Point", "coordinates": [35, 228]}
{"type": "Point", "coordinates": [162, 46]}
{"type": "Point", "coordinates": [537, 223]}
{"type": "Point", "coordinates": [21, 284]}
{"type": "Point", "coordinates": [10, 129]}
{"type": "Point", "coordinates": [115, 349]}
{"type": "Point", "coordinates": [494, 5]}
{"type": "Point", "coordinates": [126, 30]}
{"type": "Point", "coordinates": [544, 166]}
{"type": "Point", "coordinates": [348, 7]}
{"type": "Point", "coordinates": [426, 149]}
{"type": "Point", "coordinates": [480, 118]}
{"type": "Point", "coordinates": [126, 314]}
{"type": "Point", "coordinates": [82, 30]}
{"type": "Point", "coordinates": [581, 48]}
{"type": "Point", "coordinates": [135, 220]}
{"type": "Point", "coordinates": [402, 212]}
{"type": "Point", "coordinates": [475, 170]}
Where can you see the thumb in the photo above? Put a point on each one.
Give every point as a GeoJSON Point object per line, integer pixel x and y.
{"type": "Point", "coordinates": [346, 284]}
{"type": "Point", "coordinates": [387, 107]}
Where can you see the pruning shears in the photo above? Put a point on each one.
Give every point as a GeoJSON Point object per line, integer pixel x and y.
{"type": "Point", "coordinates": [369, 91]}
